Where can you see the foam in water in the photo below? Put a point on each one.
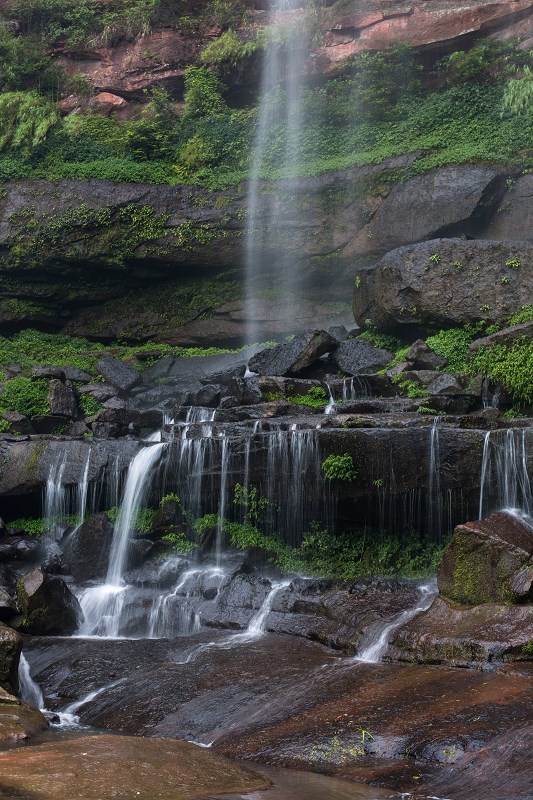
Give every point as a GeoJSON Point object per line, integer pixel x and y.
{"type": "Point", "coordinates": [373, 651]}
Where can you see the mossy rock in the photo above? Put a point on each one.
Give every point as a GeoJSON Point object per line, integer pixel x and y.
{"type": "Point", "coordinates": [488, 561]}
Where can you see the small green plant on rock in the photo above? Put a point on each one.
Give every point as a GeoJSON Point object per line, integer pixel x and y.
{"type": "Point", "coordinates": [340, 468]}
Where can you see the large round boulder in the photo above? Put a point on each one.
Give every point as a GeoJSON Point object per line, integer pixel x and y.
{"type": "Point", "coordinates": [48, 605]}
{"type": "Point", "coordinates": [10, 649]}
{"type": "Point", "coordinates": [445, 282]}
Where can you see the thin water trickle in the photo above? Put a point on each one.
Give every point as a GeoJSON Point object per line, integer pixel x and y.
{"type": "Point", "coordinates": [29, 690]}
{"type": "Point", "coordinates": [372, 651]}
{"type": "Point", "coordinates": [434, 500]}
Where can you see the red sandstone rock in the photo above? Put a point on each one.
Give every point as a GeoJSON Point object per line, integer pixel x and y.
{"type": "Point", "coordinates": [105, 103]}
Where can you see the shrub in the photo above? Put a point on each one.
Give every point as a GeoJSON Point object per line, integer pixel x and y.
{"type": "Point", "coordinates": [26, 118]}
{"type": "Point", "coordinates": [509, 365]}
{"type": "Point", "coordinates": [339, 468]}
{"type": "Point", "coordinates": [203, 93]}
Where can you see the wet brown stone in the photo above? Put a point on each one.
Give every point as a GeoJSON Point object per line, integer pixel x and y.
{"type": "Point", "coordinates": [122, 767]}
{"type": "Point", "coordinates": [18, 722]}
{"type": "Point", "coordinates": [465, 636]}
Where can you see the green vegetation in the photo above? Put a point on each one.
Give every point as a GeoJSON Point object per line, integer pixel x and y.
{"type": "Point", "coordinates": [142, 522]}
{"type": "Point", "coordinates": [178, 542]}
{"type": "Point", "coordinates": [89, 406]}
{"type": "Point", "coordinates": [41, 526]}
{"type": "Point", "coordinates": [26, 396]}
{"type": "Point", "coordinates": [34, 348]}
{"type": "Point", "coordinates": [509, 365]}
{"type": "Point", "coordinates": [339, 468]}
{"type": "Point", "coordinates": [459, 120]}
{"type": "Point", "coordinates": [315, 397]}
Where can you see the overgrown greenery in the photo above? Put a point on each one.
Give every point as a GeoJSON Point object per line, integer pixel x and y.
{"type": "Point", "coordinates": [509, 365]}
{"type": "Point", "coordinates": [26, 396]}
{"type": "Point", "coordinates": [378, 109]}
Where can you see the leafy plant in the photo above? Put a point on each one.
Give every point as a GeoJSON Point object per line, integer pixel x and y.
{"type": "Point", "coordinates": [339, 468]}
{"type": "Point", "coordinates": [26, 118]}
{"type": "Point", "coordinates": [315, 397]}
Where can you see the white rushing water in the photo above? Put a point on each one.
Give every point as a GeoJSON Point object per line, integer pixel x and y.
{"type": "Point", "coordinates": [102, 605]}
{"type": "Point", "coordinates": [256, 627]}
{"type": "Point", "coordinates": [373, 650]}
{"type": "Point", "coordinates": [29, 690]}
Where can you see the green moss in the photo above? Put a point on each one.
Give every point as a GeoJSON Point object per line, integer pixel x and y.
{"type": "Point", "coordinates": [315, 397]}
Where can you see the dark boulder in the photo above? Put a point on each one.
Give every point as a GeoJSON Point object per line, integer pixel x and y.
{"type": "Point", "coordinates": [246, 391]}
{"type": "Point", "coordinates": [447, 202]}
{"type": "Point", "coordinates": [445, 282]}
{"type": "Point", "coordinates": [200, 368]}
{"type": "Point", "coordinates": [168, 516]}
{"type": "Point", "coordinates": [292, 357]}
{"type": "Point", "coordinates": [86, 551]}
{"type": "Point", "coordinates": [514, 219]}
{"type": "Point", "coordinates": [77, 375]}
{"type": "Point", "coordinates": [48, 372]}
{"type": "Point", "coordinates": [488, 561]}
{"type": "Point", "coordinates": [19, 548]}
{"type": "Point", "coordinates": [360, 357]}
{"type": "Point", "coordinates": [18, 422]}
{"type": "Point", "coordinates": [421, 356]}
{"type": "Point", "coordinates": [10, 649]}
{"type": "Point", "coordinates": [49, 423]}
{"type": "Point", "coordinates": [8, 606]}
{"type": "Point", "coordinates": [100, 391]}
{"type": "Point", "coordinates": [117, 373]}
{"type": "Point", "coordinates": [48, 605]}
{"type": "Point", "coordinates": [115, 422]}
{"type": "Point", "coordinates": [62, 399]}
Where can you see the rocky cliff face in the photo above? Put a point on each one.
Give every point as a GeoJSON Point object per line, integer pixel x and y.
{"type": "Point", "coordinates": [100, 259]}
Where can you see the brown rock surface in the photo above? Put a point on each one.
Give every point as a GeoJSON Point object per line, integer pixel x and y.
{"type": "Point", "coordinates": [18, 721]}
{"type": "Point", "coordinates": [122, 767]}
{"type": "Point", "coordinates": [465, 636]}
{"type": "Point", "coordinates": [10, 648]}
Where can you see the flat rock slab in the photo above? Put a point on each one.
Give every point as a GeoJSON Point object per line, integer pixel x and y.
{"type": "Point", "coordinates": [295, 704]}
{"type": "Point", "coordinates": [121, 767]}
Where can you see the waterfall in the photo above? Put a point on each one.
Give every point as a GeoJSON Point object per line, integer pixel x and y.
{"type": "Point", "coordinates": [55, 496]}
{"type": "Point", "coordinates": [102, 605]}
{"type": "Point", "coordinates": [29, 690]}
{"type": "Point", "coordinates": [280, 110]}
{"type": "Point", "coordinates": [373, 650]}
{"type": "Point", "coordinates": [434, 499]}
{"type": "Point", "coordinates": [331, 407]}
{"type": "Point", "coordinates": [171, 613]}
{"type": "Point", "coordinates": [137, 486]}
{"type": "Point", "coordinates": [505, 483]}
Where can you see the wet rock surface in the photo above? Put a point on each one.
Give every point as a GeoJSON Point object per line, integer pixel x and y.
{"type": "Point", "coordinates": [10, 647]}
{"type": "Point", "coordinates": [149, 769]}
{"type": "Point", "coordinates": [465, 637]}
{"type": "Point", "coordinates": [19, 722]}
{"type": "Point", "coordinates": [296, 704]}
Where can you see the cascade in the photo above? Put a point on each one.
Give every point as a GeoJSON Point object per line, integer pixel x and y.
{"type": "Point", "coordinates": [280, 108]}
{"type": "Point", "coordinates": [29, 690]}
{"type": "Point", "coordinates": [505, 482]}
{"type": "Point", "coordinates": [102, 605]}
{"type": "Point", "coordinates": [377, 640]}
{"type": "Point", "coordinates": [55, 496]}
{"type": "Point", "coordinates": [331, 407]}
